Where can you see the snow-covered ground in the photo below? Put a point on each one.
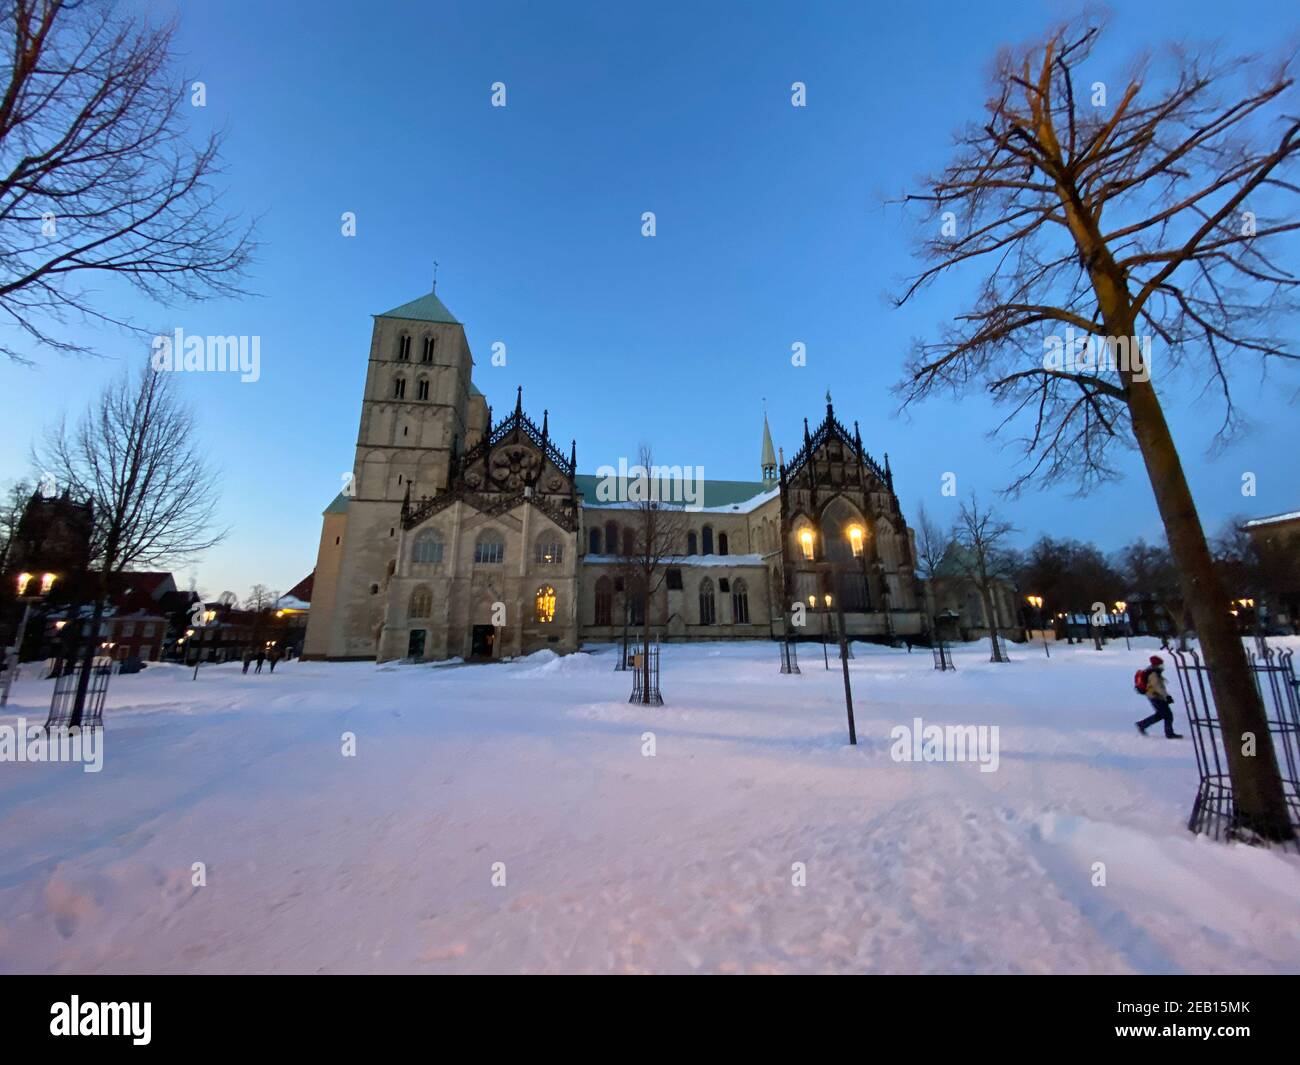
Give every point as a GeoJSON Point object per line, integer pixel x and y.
{"type": "Point", "coordinates": [615, 861]}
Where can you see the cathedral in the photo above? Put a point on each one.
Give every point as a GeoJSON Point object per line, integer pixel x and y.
{"type": "Point", "coordinates": [460, 536]}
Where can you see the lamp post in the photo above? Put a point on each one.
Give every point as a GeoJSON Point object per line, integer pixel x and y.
{"type": "Point", "coordinates": [1036, 601]}
{"type": "Point", "coordinates": [27, 598]}
{"type": "Point", "coordinates": [1121, 608]}
{"type": "Point", "coordinates": [833, 569]}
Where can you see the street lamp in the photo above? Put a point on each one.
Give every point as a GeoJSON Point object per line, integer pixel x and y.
{"type": "Point", "coordinates": [27, 596]}
{"type": "Point", "coordinates": [1121, 607]}
{"type": "Point", "coordinates": [1036, 601]}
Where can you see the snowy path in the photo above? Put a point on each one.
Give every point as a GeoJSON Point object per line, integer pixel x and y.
{"type": "Point", "coordinates": [619, 862]}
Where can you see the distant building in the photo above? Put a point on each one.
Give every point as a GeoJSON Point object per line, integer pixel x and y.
{"type": "Point", "coordinates": [461, 535]}
{"type": "Point", "coordinates": [1277, 543]}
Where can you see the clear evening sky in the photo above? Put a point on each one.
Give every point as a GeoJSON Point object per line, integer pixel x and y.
{"type": "Point", "coordinates": [772, 229]}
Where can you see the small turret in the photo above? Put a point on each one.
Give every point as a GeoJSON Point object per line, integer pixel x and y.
{"type": "Point", "coordinates": [769, 456]}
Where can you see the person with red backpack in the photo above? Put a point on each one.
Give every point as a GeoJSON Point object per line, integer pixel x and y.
{"type": "Point", "coordinates": [1151, 683]}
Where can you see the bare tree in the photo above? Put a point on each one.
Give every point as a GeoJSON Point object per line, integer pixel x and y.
{"type": "Point", "coordinates": [1153, 218]}
{"type": "Point", "coordinates": [658, 528]}
{"type": "Point", "coordinates": [96, 175]}
{"type": "Point", "coordinates": [981, 538]}
{"type": "Point", "coordinates": [135, 456]}
{"type": "Point", "coordinates": [13, 504]}
{"type": "Point", "coordinates": [931, 546]}
{"type": "Point", "coordinates": [260, 597]}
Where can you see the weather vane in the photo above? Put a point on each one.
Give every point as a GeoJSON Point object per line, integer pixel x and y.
{"type": "Point", "coordinates": [435, 275]}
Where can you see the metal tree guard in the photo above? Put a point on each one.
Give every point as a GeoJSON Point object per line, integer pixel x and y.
{"type": "Point", "coordinates": [63, 704]}
{"type": "Point", "coordinates": [1214, 812]}
{"type": "Point", "coordinates": [645, 690]}
{"type": "Point", "coordinates": [789, 656]}
{"type": "Point", "coordinates": [942, 659]}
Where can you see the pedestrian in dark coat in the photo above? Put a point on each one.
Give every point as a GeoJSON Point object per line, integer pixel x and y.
{"type": "Point", "coordinates": [274, 657]}
{"type": "Point", "coordinates": [261, 657]}
{"type": "Point", "coordinates": [248, 657]}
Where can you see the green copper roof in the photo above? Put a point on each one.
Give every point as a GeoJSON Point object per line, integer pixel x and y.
{"type": "Point", "coordinates": [716, 493]}
{"type": "Point", "coordinates": [428, 308]}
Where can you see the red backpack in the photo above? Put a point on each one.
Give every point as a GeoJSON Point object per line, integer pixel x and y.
{"type": "Point", "coordinates": [1140, 680]}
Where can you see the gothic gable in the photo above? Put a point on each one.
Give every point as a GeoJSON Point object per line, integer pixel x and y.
{"type": "Point", "coordinates": [514, 463]}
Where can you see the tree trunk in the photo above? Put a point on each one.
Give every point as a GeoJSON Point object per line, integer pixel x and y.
{"type": "Point", "coordinates": [1256, 781]}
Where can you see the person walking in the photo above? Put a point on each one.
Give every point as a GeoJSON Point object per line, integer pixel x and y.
{"type": "Point", "coordinates": [248, 657]}
{"type": "Point", "coordinates": [1150, 682]}
{"type": "Point", "coordinates": [274, 656]}
{"type": "Point", "coordinates": [261, 657]}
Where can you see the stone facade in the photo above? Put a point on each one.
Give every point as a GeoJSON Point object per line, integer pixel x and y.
{"type": "Point", "coordinates": [461, 537]}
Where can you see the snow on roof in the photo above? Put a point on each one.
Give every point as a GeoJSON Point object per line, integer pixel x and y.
{"type": "Point", "coordinates": [1273, 519]}
{"type": "Point", "coordinates": [292, 602]}
{"type": "Point", "coordinates": [682, 560]}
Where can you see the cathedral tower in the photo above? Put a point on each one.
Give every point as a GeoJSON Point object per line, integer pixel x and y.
{"type": "Point", "coordinates": [419, 407]}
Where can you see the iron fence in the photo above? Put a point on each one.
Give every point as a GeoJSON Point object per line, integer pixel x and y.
{"type": "Point", "coordinates": [645, 681]}
{"type": "Point", "coordinates": [67, 685]}
{"type": "Point", "coordinates": [1214, 811]}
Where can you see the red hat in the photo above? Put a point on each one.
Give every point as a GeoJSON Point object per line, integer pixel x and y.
{"type": "Point", "coordinates": [1156, 660]}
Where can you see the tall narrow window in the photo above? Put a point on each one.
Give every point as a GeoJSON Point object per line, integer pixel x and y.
{"type": "Point", "coordinates": [428, 547]}
{"type": "Point", "coordinates": [629, 542]}
{"type": "Point", "coordinates": [708, 539]}
{"type": "Point", "coordinates": [545, 605]}
{"type": "Point", "coordinates": [708, 609]}
{"type": "Point", "coordinates": [422, 388]}
{"type": "Point", "coordinates": [692, 543]}
{"type": "Point", "coordinates": [593, 542]}
{"type": "Point", "coordinates": [399, 387]}
{"type": "Point", "coordinates": [421, 604]}
{"type": "Point", "coordinates": [611, 538]}
{"type": "Point", "coordinates": [739, 603]}
{"type": "Point", "coordinates": [604, 602]}
{"type": "Point", "coordinates": [550, 552]}
{"type": "Point", "coordinates": [427, 354]}
{"type": "Point", "coordinates": [722, 543]}
{"type": "Point", "coordinates": [490, 550]}
{"type": "Point", "coordinates": [403, 348]}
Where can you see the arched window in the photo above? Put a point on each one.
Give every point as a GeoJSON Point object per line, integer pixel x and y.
{"type": "Point", "coordinates": [629, 542]}
{"type": "Point", "coordinates": [399, 387]}
{"type": "Point", "coordinates": [428, 547]}
{"type": "Point", "coordinates": [708, 539]}
{"type": "Point", "coordinates": [421, 603]}
{"type": "Point", "coordinates": [593, 542]}
{"type": "Point", "coordinates": [403, 348]}
{"type": "Point", "coordinates": [604, 602]}
{"type": "Point", "coordinates": [692, 543]}
{"type": "Point", "coordinates": [739, 602]}
{"type": "Point", "coordinates": [806, 541]}
{"type": "Point", "coordinates": [708, 609]}
{"type": "Point", "coordinates": [490, 549]}
{"type": "Point", "coordinates": [427, 354]}
{"type": "Point", "coordinates": [550, 552]}
{"type": "Point", "coordinates": [636, 609]}
{"type": "Point", "coordinates": [722, 543]}
{"type": "Point", "coordinates": [422, 388]}
{"type": "Point", "coordinates": [611, 538]}
{"type": "Point", "coordinates": [545, 605]}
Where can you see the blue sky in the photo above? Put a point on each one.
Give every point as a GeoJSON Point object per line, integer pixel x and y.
{"type": "Point", "coordinates": [772, 229]}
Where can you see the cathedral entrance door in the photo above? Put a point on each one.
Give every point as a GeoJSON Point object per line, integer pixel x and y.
{"type": "Point", "coordinates": [415, 644]}
{"type": "Point", "coordinates": [484, 636]}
